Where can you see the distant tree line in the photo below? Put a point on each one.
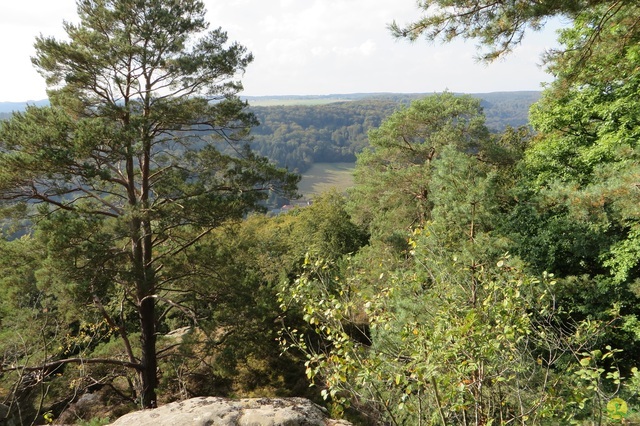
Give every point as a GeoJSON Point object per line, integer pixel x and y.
{"type": "Point", "coordinates": [297, 136]}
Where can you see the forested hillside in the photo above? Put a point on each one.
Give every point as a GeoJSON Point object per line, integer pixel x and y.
{"type": "Point", "coordinates": [296, 135]}
{"type": "Point", "coordinates": [475, 274]}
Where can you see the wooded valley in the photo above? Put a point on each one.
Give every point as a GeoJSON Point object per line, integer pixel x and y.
{"type": "Point", "coordinates": [297, 136]}
{"type": "Point", "coordinates": [484, 268]}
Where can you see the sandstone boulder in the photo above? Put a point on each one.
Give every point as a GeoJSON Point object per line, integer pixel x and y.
{"type": "Point", "coordinates": [212, 411]}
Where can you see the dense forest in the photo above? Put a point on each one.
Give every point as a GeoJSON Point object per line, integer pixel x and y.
{"type": "Point", "coordinates": [476, 274]}
{"type": "Point", "coordinates": [296, 136]}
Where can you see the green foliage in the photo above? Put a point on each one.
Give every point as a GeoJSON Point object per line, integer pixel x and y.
{"type": "Point", "coordinates": [447, 343]}
{"type": "Point", "coordinates": [578, 210]}
{"type": "Point", "coordinates": [501, 25]}
{"type": "Point", "coordinates": [394, 188]}
{"type": "Point", "coordinates": [297, 135]}
{"type": "Point", "coordinates": [96, 421]}
{"type": "Point", "coordinates": [227, 345]}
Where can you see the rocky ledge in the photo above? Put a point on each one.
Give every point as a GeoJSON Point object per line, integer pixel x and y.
{"type": "Point", "coordinates": [212, 411]}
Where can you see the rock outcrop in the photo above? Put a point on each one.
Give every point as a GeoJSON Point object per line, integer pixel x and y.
{"type": "Point", "coordinates": [212, 411]}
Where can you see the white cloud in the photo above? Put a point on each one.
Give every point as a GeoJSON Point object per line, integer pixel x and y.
{"type": "Point", "coordinates": [368, 48]}
{"type": "Point", "coordinates": [364, 49]}
{"type": "Point", "coordinates": [36, 13]}
{"type": "Point", "coordinates": [320, 51]}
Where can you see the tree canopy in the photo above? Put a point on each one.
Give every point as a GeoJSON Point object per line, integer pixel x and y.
{"type": "Point", "coordinates": [394, 176]}
{"type": "Point", "coordinates": [435, 321]}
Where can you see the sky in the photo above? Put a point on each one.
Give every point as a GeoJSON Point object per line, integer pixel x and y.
{"type": "Point", "coordinates": [303, 47]}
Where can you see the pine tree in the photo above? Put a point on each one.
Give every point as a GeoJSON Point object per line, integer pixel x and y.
{"type": "Point", "coordinates": [120, 171]}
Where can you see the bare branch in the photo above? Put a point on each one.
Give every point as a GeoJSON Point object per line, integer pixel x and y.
{"type": "Point", "coordinates": [58, 363]}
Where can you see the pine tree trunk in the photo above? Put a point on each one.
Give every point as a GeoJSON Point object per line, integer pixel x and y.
{"type": "Point", "coordinates": [145, 288]}
{"type": "Point", "coordinates": [148, 360]}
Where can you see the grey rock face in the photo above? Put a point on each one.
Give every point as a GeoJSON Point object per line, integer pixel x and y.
{"type": "Point", "coordinates": [211, 411]}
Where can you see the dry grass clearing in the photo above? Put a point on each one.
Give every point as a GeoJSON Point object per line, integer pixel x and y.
{"type": "Point", "coordinates": [324, 176]}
